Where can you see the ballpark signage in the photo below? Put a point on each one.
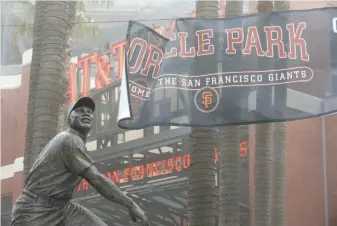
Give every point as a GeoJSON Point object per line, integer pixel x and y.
{"type": "Point", "coordinates": [241, 70]}
{"type": "Point", "coordinates": [154, 169]}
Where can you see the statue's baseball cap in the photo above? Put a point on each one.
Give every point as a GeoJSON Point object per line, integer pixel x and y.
{"type": "Point", "coordinates": [84, 101]}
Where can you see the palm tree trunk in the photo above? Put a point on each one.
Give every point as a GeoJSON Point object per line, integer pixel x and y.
{"type": "Point", "coordinates": [201, 194]}
{"type": "Point", "coordinates": [278, 170]}
{"type": "Point", "coordinates": [34, 74]}
{"type": "Point", "coordinates": [278, 173]}
{"type": "Point", "coordinates": [67, 51]}
{"type": "Point", "coordinates": [229, 176]}
{"type": "Point", "coordinates": [229, 157]}
{"type": "Point", "coordinates": [51, 86]}
{"type": "Point", "coordinates": [201, 201]}
{"type": "Point", "coordinates": [262, 169]}
{"type": "Point", "coordinates": [262, 175]}
{"type": "Point", "coordinates": [69, 33]}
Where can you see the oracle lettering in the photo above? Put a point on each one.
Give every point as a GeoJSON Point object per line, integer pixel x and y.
{"type": "Point", "coordinates": [184, 52]}
{"type": "Point", "coordinates": [154, 59]}
{"type": "Point", "coordinates": [205, 46]}
{"type": "Point", "coordinates": [142, 44]}
{"type": "Point", "coordinates": [334, 24]}
{"type": "Point", "coordinates": [171, 51]}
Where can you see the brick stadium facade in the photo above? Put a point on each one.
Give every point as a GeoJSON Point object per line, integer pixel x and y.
{"type": "Point", "coordinates": [305, 169]}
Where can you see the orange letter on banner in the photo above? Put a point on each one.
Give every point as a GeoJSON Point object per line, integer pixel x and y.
{"type": "Point", "coordinates": [295, 40]}
{"type": "Point", "coordinates": [231, 39]}
{"type": "Point", "coordinates": [103, 69]}
{"type": "Point", "coordinates": [278, 41]}
{"type": "Point", "coordinates": [173, 51]}
{"type": "Point", "coordinates": [140, 57]}
{"type": "Point", "coordinates": [253, 41]}
{"type": "Point", "coordinates": [204, 44]}
{"type": "Point", "coordinates": [183, 46]}
{"type": "Point", "coordinates": [154, 59]}
{"type": "Point", "coordinates": [119, 49]}
{"type": "Point", "coordinates": [84, 63]}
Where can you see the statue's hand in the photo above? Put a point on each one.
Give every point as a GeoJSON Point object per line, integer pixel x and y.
{"type": "Point", "coordinates": [137, 213]}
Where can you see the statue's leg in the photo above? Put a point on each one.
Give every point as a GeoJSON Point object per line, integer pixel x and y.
{"type": "Point", "coordinates": [18, 218]}
{"type": "Point", "coordinates": [81, 216]}
{"type": "Point", "coordinates": [28, 212]}
{"type": "Point", "coordinates": [20, 215]}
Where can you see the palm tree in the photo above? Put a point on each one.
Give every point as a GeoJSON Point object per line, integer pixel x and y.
{"type": "Point", "coordinates": [262, 175]}
{"type": "Point", "coordinates": [68, 44]}
{"type": "Point", "coordinates": [79, 26]}
{"type": "Point", "coordinates": [229, 156]}
{"type": "Point", "coordinates": [74, 24]}
{"type": "Point", "coordinates": [83, 25]}
{"type": "Point", "coordinates": [50, 86]}
{"type": "Point", "coordinates": [202, 190]}
{"type": "Point", "coordinates": [34, 73]}
{"type": "Point", "coordinates": [278, 168]}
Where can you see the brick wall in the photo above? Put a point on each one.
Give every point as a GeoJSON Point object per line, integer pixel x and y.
{"type": "Point", "coordinates": [13, 120]}
{"type": "Point", "coordinates": [13, 127]}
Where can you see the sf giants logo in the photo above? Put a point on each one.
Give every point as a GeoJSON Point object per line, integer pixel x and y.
{"type": "Point", "coordinates": [206, 99]}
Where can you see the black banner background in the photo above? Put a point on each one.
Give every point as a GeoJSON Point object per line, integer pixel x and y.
{"type": "Point", "coordinates": [257, 80]}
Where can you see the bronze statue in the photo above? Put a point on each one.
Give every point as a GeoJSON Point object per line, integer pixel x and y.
{"type": "Point", "coordinates": [46, 198]}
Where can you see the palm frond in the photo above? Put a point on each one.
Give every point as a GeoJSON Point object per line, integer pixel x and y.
{"type": "Point", "coordinates": [24, 25]}
{"type": "Point", "coordinates": [18, 5]}
{"type": "Point", "coordinates": [84, 25]}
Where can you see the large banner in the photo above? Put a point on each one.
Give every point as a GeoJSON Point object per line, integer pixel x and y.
{"type": "Point", "coordinates": [259, 68]}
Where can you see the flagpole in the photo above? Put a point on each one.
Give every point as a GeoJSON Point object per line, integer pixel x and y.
{"type": "Point", "coordinates": [325, 178]}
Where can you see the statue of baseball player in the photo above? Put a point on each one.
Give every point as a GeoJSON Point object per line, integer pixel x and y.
{"type": "Point", "coordinates": [62, 164]}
